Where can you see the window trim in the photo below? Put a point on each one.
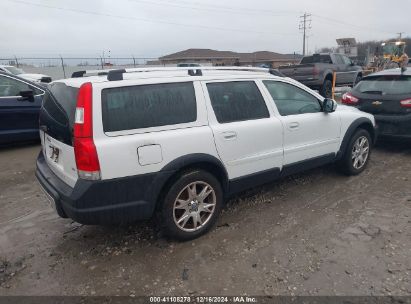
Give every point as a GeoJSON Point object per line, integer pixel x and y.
{"type": "Point", "coordinates": [319, 98]}
{"type": "Point", "coordinates": [29, 84]}
{"type": "Point", "coordinates": [210, 108]}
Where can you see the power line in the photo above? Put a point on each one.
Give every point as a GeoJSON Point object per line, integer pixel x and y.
{"type": "Point", "coordinates": [305, 26]}
{"type": "Point", "coordinates": [146, 20]}
{"type": "Point", "coordinates": [215, 8]}
{"type": "Point", "coordinates": [351, 25]}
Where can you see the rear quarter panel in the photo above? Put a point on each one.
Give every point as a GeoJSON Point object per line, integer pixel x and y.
{"type": "Point", "coordinates": [118, 151]}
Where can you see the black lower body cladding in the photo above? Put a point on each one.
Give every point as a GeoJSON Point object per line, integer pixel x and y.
{"type": "Point", "coordinates": [109, 202]}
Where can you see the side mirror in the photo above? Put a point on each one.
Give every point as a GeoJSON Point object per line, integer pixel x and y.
{"type": "Point", "coordinates": [26, 95]}
{"type": "Point", "coordinates": [329, 105]}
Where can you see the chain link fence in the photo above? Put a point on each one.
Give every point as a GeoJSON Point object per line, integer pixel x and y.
{"type": "Point", "coordinates": [63, 67]}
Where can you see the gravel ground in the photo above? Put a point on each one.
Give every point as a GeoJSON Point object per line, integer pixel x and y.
{"type": "Point", "coordinates": [317, 233]}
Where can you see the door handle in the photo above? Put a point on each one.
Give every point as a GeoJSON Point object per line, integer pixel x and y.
{"type": "Point", "coordinates": [229, 135]}
{"type": "Point", "coordinates": [294, 126]}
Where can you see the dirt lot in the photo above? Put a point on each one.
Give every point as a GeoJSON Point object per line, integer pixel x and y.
{"type": "Point", "coordinates": [317, 233]}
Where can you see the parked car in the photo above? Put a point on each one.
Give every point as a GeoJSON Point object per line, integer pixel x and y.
{"type": "Point", "coordinates": [386, 95]}
{"type": "Point", "coordinates": [19, 72]}
{"type": "Point", "coordinates": [176, 143]}
{"type": "Point", "coordinates": [316, 71]}
{"type": "Point", "coordinates": [20, 102]}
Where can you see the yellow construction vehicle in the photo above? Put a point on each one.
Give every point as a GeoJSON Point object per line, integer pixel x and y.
{"type": "Point", "coordinates": [392, 57]}
{"type": "Point", "coordinates": [393, 51]}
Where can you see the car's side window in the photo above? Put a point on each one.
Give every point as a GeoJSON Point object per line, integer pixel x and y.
{"type": "Point", "coordinates": [339, 59]}
{"type": "Point", "coordinates": [11, 87]}
{"type": "Point", "coordinates": [148, 106]}
{"type": "Point", "coordinates": [237, 101]}
{"type": "Point", "coordinates": [347, 60]}
{"type": "Point", "coordinates": [291, 100]}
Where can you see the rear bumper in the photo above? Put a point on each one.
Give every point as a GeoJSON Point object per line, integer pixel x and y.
{"type": "Point", "coordinates": [395, 126]}
{"type": "Point", "coordinates": [118, 201]}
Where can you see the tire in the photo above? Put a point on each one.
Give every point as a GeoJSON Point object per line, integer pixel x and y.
{"type": "Point", "coordinates": [183, 204]}
{"type": "Point", "coordinates": [326, 89]}
{"type": "Point", "coordinates": [355, 158]}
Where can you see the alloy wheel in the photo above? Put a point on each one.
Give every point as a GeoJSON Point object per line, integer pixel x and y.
{"type": "Point", "coordinates": [360, 152]}
{"type": "Point", "coordinates": [194, 206]}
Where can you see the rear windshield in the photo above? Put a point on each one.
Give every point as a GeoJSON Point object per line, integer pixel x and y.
{"type": "Point", "coordinates": [385, 85]}
{"type": "Point", "coordinates": [147, 106]}
{"type": "Point", "coordinates": [62, 105]}
{"type": "Point", "coordinates": [58, 111]}
{"type": "Point", "coordinates": [316, 59]}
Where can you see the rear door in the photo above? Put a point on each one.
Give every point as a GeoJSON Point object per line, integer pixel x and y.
{"type": "Point", "coordinates": [341, 69]}
{"type": "Point", "coordinates": [351, 70]}
{"type": "Point", "coordinates": [308, 131]}
{"type": "Point", "coordinates": [18, 117]}
{"type": "Point", "coordinates": [248, 137]}
{"type": "Point", "coordinates": [56, 125]}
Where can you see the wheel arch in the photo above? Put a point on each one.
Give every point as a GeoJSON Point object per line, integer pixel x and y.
{"type": "Point", "coordinates": [360, 123]}
{"type": "Point", "coordinates": [200, 161]}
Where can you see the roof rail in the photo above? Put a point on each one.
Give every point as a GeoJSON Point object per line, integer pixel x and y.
{"type": "Point", "coordinates": [118, 74]}
{"type": "Point", "coordinates": [78, 74]}
{"type": "Point", "coordinates": [115, 75]}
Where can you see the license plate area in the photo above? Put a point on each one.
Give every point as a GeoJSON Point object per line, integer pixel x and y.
{"type": "Point", "coordinates": [53, 153]}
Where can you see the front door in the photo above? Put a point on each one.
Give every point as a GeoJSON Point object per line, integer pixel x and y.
{"type": "Point", "coordinates": [309, 133]}
{"type": "Point", "coordinates": [19, 118]}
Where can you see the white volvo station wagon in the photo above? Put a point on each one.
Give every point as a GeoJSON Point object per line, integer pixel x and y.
{"type": "Point", "coordinates": [125, 145]}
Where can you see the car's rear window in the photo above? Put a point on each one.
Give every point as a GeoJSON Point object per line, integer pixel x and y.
{"type": "Point", "coordinates": [385, 85]}
{"type": "Point", "coordinates": [316, 59]}
{"type": "Point", "coordinates": [61, 105]}
{"type": "Point", "coordinates": [146, 106]}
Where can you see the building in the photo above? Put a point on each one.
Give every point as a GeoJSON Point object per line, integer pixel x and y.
{"type": "Point", "coordinates": [228, 58]}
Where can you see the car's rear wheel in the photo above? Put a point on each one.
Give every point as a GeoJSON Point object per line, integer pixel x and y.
{"type": "Point", "coordinates": [327, 89]}
{"type": "Point", "coordinates": [357, 154]}
{"type": "Point", "coordinates": [192, 205]}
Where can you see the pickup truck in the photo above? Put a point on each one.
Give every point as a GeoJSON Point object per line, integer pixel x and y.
{"type": "Point", "coordinates": [316, 71]}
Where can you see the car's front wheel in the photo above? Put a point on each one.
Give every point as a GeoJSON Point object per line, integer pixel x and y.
{"type": "Point", "coordinates": [192, 205]}
{"type": "Point", "coordinates": [357, 155]}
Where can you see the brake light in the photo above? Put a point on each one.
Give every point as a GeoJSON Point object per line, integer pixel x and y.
{"type": "Point", "coordinates": [349, 99]}
{"type": "Point", "coordinates": [406, 103]}
{"type": "Point", "coordinates": [316, 71]}
{"type": "Point", "coordinates": [88, 165]}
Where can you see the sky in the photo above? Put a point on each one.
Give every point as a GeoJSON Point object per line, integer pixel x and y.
{"type": "Point", "coordinates": [152, 28]}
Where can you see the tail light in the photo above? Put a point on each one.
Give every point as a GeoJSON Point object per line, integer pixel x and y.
{"type": "Point", "coordinates": [88, 165]}
{"type": "Point", "coordinates": [406, 103]}
{"type": "Point", "coordinates": [349, 99]}
{"type": "Point", "coordinates": [316, 71]}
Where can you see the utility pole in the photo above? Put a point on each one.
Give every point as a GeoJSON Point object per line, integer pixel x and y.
{"type": "Point", "coordinates": [400, 35]}
{"type": "Point", "coordinates": [305, 25]}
